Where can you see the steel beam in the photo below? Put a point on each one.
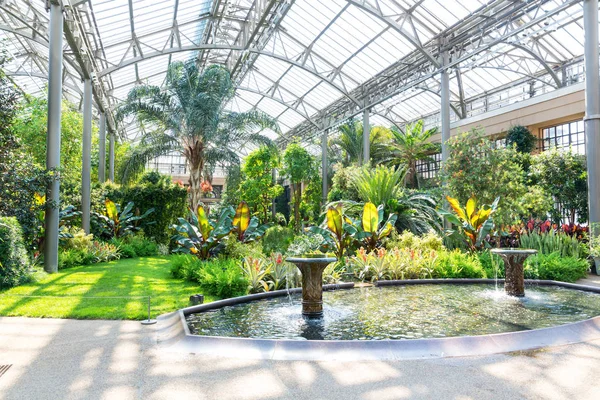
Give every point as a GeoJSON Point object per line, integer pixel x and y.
{"type": "Point", "coordinates": [366, 159]}
{"type": "Point", "coordinates": [592, 111]}
{"type": "Point", "coordinates": [111, 156]}
{"type": "Point", "coordinates": [102, 149]}
{"type": "Point", "coordinates": [445, 106]}
{"type": "Point", "coordinates": [86, 167]}
{"type": "Point", "coordinates": [53, 138]}
{"type": "Point", "coordinates": [324, 164]}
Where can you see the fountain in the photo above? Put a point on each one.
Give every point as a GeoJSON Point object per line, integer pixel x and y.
{"type": "Point", "coordinates": [312, 268]}
{"type": "Point", "coordinates": [514, 282]}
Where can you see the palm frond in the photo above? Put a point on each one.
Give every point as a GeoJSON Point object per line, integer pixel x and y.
{"type": "Point", "coordinates": [150, 147]}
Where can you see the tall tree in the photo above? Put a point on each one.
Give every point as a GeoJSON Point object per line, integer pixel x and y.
{"type": "Point", "coordinates": [257, 186]}
{"type": "Point", "coordinates": [298, 166]}
{"type": "Point", "coordinates": [20, 177]}
{"type": "Point", "coordinates": [410, 146]}
{"type": "Point", "coordinates": [189, 116]}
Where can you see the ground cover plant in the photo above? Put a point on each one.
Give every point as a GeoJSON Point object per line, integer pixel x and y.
{"type": "Point", "coordinates": [71, 291]}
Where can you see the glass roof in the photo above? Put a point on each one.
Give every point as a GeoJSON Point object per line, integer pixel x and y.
{"type": "Point", "coordinates": [311, 63]}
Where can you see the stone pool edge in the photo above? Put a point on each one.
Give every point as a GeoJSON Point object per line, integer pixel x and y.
{"type": "Point", "coordinates": [173, 335]}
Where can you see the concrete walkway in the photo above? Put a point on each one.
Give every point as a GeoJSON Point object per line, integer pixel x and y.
{"type": "Point", "coordinates": [590, 280]}
{"type": "Point", "coordinates": [69, 359]}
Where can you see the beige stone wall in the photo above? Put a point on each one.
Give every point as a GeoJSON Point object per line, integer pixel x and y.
{"type": "Point", "coordinates": [562, 105]}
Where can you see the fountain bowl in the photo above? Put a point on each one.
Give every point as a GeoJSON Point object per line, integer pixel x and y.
{"type": "Point", "coordinates": [174, 334]}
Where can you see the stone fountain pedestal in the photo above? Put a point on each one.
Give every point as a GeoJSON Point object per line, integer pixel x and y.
{"type": "Point", "coordinates": [514, 282]}
{"type": "Point", "coordinates": [312, 283]}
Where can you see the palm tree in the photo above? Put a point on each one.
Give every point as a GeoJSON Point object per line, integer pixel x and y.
{"type": "Point", "coordinates": [188, 116]}
{"type": "Point", "coordinates": [410, 146]}
{"type": "Point", "coordinates": [349, 143]}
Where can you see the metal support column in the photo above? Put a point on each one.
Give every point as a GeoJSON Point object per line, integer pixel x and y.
{"type": "Point", "coordinates": [445, 106]}
{"type": "Point", "coordinates": [111, 156]}
{"type": "Point", "coordinates": [53, 138]}
{"type": "Point", "coordinates": [102, 149]}
{"type": "Point", "coordinates": [366, 159]}
{"type": "Point", "coordinates": [592, 111]}
{"type": "Point", "coordinates": [86, 168]}
{"type": "Point", "coordinates": [324, 164]}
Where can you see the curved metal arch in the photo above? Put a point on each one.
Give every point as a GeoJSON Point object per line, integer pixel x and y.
{"type": "Point", "coordinates": [41, 43]}
{"type": "Point", "coordinates": [44, 77]}
{"type": "Point", "coordinates": [456, 111]}
{"type": "Point", "coordinates": [147, 56]}
{"type": "Point", "coordinates": [540, 60]}
{"type": "Point", "coordinates": [268, 96]}
{"type": "Point", "coordinates": [391, 121]}
{"type": "Point", "coordinates": [394, 25]}
{"type": "Point", "coordinates": [23, 34]}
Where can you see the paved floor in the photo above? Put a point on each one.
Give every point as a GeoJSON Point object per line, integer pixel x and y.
{"type": "Point", "coordinates": [68, 359]}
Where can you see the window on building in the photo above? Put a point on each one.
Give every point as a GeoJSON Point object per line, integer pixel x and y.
{"type": "Point", "coordinates": [564, 136]}
{"type": "Point", "coordinates": [170, 164]}
{"type": "Point", "coordinates": [430, 168]}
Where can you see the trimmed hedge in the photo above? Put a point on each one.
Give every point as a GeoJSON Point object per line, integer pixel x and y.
{"type": "Point", "coordinates": [156, 191]}
{"type": "Point", "coordinates": [15, 266]}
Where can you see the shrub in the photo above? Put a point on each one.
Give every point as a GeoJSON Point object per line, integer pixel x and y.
{"type": "Point", "coordinates": [408, 240]}
{"type": "Point", "coordinates": [554, 267]}
{"type": "Point", "coordinates": [222, 278]}
{"type": "Point", "coordinates": [238, 250]}
{"type": "Point", "coordinates": [492, 264]}
{"type": "Point", "coordinates": [125, 250]}
{"type": "Point", "coordinates": [135, 246]}
{"type": "Point", "coordinates": [183, 266]}
{"type": "Point", "coordinates": [83, 249]}
{"type": "Point", "coordinates": [14, 262]}
{"type": "Point", "coordinates": [73, 257]}
{"type": "Point", "coordinates": [277, 239]}
{"type": "Point", "coordinates": [305, 244]}
{"type": "Point", "coordinates": [143, 246]}
{"type": "Point", "coordinates": [521, 137]}
{"type": "Point", "coordinates": [563, 175]}
{"type": "Point", "coordinates": [395, 264]}
{"type": "Point", "coordinates": [342, 187]}
{"type": "Point", "coordinates": [456, 264]}
{"type": "Point", "coordinates": [476, 167]}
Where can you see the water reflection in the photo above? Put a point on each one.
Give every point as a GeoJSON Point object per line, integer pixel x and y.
{"type": "Point", "coordinates": [403, 312]}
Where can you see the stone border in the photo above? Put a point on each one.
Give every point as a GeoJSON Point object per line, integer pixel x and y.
{"type": "Point", "coordinates": [174, 335]}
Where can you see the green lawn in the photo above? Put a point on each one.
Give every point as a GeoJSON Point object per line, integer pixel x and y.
{"type": "Point", "coordinates": [87, 291]}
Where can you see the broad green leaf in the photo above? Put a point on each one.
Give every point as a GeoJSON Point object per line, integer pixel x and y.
{"type": "Point", "coordinates": [471, 204]}
{"type": "Point", "coordinates": [334, 221]}
{"type": "Point", "coordinates": [452, 218]}
{"type": "Point", "coordinates": [482, 216]}
{"type": "Point", "coordinates": [456, 207]}
{"type": "Point", "coordinates": [387, 230]}
{"type": "Point", "coordinates": [203, 223]}
{"type": "Point", "coordinates": [485, 229]}
{"type": "Point", "coordinates": [370, 219]}
{"type": "Point", "coordinates": [241, 219]}
{"type": "Point", "coordinates": [111, 209]}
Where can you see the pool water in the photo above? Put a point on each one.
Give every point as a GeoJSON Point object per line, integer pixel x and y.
{"type": "Point", "coordinates": [401, 312]}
